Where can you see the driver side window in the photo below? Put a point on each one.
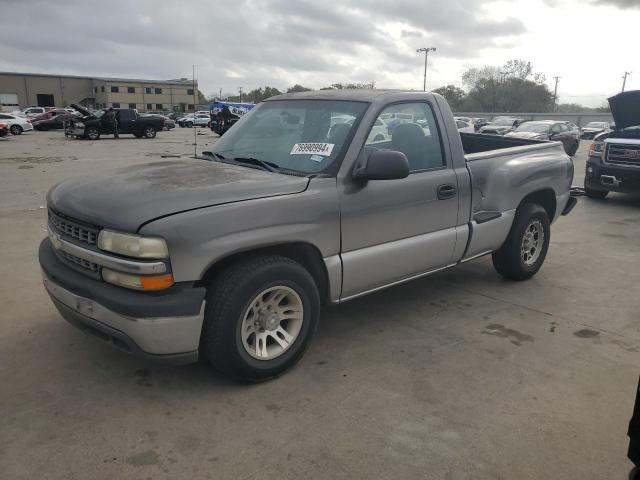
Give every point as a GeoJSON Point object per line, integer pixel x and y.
{"type": "Point", "coordinates": [409, 128]}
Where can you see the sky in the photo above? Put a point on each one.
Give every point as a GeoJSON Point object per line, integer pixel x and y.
{"type": "Point", "coordinates": [252, 43]}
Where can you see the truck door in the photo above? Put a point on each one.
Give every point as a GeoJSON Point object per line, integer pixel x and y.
{"type": "Point", "coordinates": [126, 120]}
{"type": "Point", "coordinates": [397, 229]}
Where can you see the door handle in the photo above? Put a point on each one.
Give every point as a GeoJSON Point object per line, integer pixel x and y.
{"type": "Point", "coordinates": [446, 191]}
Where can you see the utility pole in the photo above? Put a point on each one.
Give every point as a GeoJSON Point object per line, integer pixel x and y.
{"type": "Point", "coordinates": [624, 79]}
{"type": "Point", "coordinates": [195, 108]}
{"type": "Point", "coordinates": [240, 88]}
{"type": "Point", "coordinates": [555, 93]}
{"type": "Point", "coordinates": [220, 97]}
{"type": "Point", "coordinates": [426, 51]}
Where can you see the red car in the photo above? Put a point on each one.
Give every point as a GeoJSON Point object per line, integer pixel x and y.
{"type": "Point", "coordinates": [4, 129]}
{"type": "Point", "coordinates": [50, 114]}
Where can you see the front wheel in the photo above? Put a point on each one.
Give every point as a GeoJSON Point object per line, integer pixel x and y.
{"type": "Point", "coordinates": [149, 132]}
{"type": "Point", "coordinates": [260, 317]}
{"type": "Point", "coordinates": [189, 124]}
{"type": "Point", "coordinates": [92, 133]}
{"type": "Point", "coordinates": [525, 248]}
{"type": "Point", "coordinates": [15, 129]}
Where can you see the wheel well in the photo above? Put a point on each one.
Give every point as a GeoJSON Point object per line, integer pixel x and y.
{"type": "Point", "coordinates": [545, 198]}
{"type": "Point", "coordinates": [304, 253]}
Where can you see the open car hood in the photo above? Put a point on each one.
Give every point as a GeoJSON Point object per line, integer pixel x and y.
{"type": "Point", "coordinates": [82, 110]}
{"type": "Point", "coordinates": [625, 108]}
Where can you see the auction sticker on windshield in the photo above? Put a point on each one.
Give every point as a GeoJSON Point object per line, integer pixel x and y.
{"type": "Point", "coordinates": [312, 149]}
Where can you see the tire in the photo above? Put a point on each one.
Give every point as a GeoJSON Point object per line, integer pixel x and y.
{"type": "Point", "coordinates": [189, 124]}
{"type": "Point", "coordinates": [573, 149]}
{"type": "Point", "coordinates": [232, 301]}
{"type": "Point", "coordinates": [149, 132]}
{"type": "Point", "coordinates": [591, 193]}
{"type": "Point", "coordinates": [531, 225]}
{"type": "Point", "coordinates": [92, 133]}
{"type": "Point", "coordinates": [15, 129]}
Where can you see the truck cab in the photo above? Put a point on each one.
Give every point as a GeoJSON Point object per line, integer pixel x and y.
{"type": "Point", "coordinates": [94, 124]}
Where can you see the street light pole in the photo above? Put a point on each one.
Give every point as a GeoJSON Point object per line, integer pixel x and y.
{"type": "Point", "coordinates": [624, 79]}
{"type": "Point", "coordinates": [426, 51]}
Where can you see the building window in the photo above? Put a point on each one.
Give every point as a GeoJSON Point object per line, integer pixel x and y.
{"type": "Point", "coordinates": [132, 106]}
{"type": "Point", "coordinates": [190, 107]}
{"type": "Point", "coordinates": [190, 91]}
{"type": "Point", "coordinates": [102, 88]}
{"type": "Point", "coordinates": [149, 106]}
{"type": "Point", "coordinates": [115, 105]}
{"type": "Point", "coordinates": [131, 89]}
{"type": "Point", "coordinates": [114, 89]}
{"type": "Point", "coordinates": [95, 89]}
{"type": "Point", "coordinates": [158, 91]}
{"type": "Point", "coordinates": [158, 106]}
{"type": "Point", "coordinates": [147, 89]}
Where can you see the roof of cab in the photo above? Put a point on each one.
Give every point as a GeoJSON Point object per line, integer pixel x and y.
{"type": "Point", "coordinates": [355, 95]}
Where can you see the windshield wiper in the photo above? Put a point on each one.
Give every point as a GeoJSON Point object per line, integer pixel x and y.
{"type": "Point", "coordinates": [214, 154]}
{"type": "Point", "coordinates": [269, 166]}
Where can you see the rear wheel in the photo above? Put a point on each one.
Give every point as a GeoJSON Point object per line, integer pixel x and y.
{"type": "Point", "coordinates": [149, 132]}
{"type": "Point", "coordinates": [260, 316]}
{"type": "Point", "coordinates": [15, 129]}
{"type": "Point", "coordinates": [525, 248]}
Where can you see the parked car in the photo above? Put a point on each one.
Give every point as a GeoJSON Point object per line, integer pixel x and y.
{"type": "Point", "coordinates": [379, 131]}
{"type": "Point", "coordinates": [592, 129]}
{"type": "Point", "coordinates": [478, 123]}
{"type": "Point", "coordinates": [4, 129]}
{"type": "Point", "coordinates": [57, 122]}
{"type": "Point", "coordinates": [30, 111]}
{"type": "Point", "coordinates": [197, 120]}
{"type": "Point", "coordinates": [613, 163]}
{"type": "Point", "coordinates": [184, 119]}
{"type": "Point", "coordinates": [16, 124]}
{"type": "Point", "coordinates": [231, 256]}
{"type": "Point", "coordinates": [91, 125]}
{"type": "Point", "coordinates": [464, 125]}
{"type": "Point", "coordinates": [501, 125]}
{"type": "Point", "coordinates": [565, 132]}
{"type": "Point", "coordinates": [53, 113]}
{"type": "Point", "coordinates": [175, 115]}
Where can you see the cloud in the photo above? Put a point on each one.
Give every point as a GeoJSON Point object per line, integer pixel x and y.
{"type": "Point", "coordinates": [246, 42]}
{"type": "Point", "coordinates": [618, 3]}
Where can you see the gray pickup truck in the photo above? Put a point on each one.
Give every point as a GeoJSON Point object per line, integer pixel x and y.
{"type": "Point", "coordinates": [310, 199]}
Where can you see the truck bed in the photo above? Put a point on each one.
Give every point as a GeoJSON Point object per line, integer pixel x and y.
{"type": "Point", "coordinates": [479, 142]}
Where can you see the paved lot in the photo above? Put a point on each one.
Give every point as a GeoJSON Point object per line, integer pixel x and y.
{"type": "Point", "coordinates": [461, 375]}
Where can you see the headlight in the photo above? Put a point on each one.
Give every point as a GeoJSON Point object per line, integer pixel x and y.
{"type": "Point", "coordinates": [79, 124]}
{"type": "Point", "coordinates": [137, 282]}
{"type": "Point", "coordinates": [596, 148]}
{"type": "Point", "coordinates": [132, 245]}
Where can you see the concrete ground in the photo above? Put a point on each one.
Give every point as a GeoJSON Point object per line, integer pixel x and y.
{"type": "Point", "coordinates": [461, 375]}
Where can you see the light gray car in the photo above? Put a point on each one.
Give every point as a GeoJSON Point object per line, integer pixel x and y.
{"type": "Point", "coordinates": [231, 256]}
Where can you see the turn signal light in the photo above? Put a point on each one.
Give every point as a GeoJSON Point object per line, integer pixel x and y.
{"type": "Point", "coordinates": [147, 283]}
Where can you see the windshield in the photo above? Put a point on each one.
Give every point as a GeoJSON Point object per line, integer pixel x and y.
{"type": "Point", "coordinates": [595, 125]}
{"type": "Point", "coordinates": [306, 136]}
{"type": "Point", "coordinates": [99, 113]}
{"type": "Point", "coordinates": [535, 127]}
{"type": "Point", "coordinates": [503, 122]}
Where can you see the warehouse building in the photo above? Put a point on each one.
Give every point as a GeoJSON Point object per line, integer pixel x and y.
{"type": "Point", "coordinates": [19, 90]}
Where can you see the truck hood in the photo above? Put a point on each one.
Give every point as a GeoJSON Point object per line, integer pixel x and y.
{"type": "Point", "coordinates": [130, 197]}
{"type": "Point", "coordinates": [625, 108]}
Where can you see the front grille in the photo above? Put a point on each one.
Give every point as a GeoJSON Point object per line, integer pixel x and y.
{"type": "Point", "coordinates": [623, 154]}
{"type": "Point", "coordinates": [72, 229]}
{"type": "Point", "coordinates": [81, 262]}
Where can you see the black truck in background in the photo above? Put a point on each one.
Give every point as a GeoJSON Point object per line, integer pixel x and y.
{"type": "Point", "coordinates": [613, 164]}
{"type": "Point", "coordinates": [92, 124]}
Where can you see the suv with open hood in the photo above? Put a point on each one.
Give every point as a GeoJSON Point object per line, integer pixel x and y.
{"type": "Point", "coordinates": [614, 156]}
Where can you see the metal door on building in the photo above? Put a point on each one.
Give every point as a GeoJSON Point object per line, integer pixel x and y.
{"type": "Point", "coordinates": [45, 100]}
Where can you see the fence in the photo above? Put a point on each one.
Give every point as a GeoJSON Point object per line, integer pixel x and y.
{"type": "Point", "coordinates": [580, 119]}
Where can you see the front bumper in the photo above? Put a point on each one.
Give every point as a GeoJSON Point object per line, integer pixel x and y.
{"type": "Point", "coordinates": [611, 177]}
{"type": "Point", "coordinates": [76, 131]}
{"type": "Point", "coordinates": [164, 326]}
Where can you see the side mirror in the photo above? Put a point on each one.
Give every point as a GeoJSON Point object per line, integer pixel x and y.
{"type": "Point", "coordinates": [382, 165]}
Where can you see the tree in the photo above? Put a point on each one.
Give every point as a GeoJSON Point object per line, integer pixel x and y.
{"type": "Point", "coordinates": [349, 86]}
{"type": "Point", "coordinates": [298, 88]}
{"type": "Point", "coordinates": [259, 94]}
{"type": "Point", "coordinates": [514, 87]}
{"type": "Point", "coordinates": [454, 95]}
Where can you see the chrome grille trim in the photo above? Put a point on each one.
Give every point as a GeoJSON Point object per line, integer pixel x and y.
{"type": "Point", "coordinates": [81, 262]}
{"type": "Point", "coordinates": [623, 154]}
{"type": "Point", "coordinates": [73, 229]}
